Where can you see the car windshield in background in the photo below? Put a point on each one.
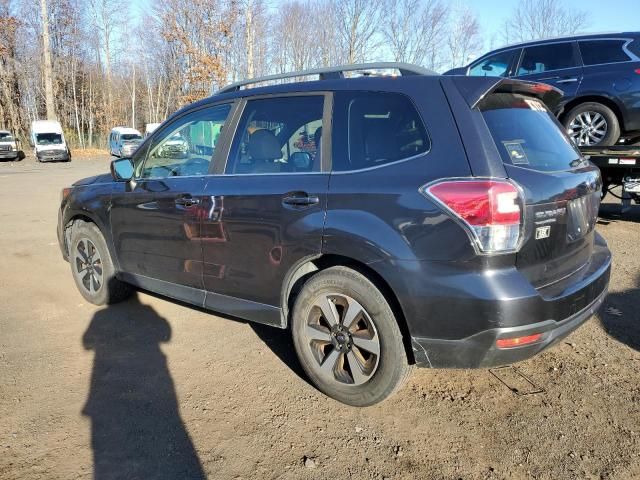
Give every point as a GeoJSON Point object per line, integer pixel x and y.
{"type": "Point", "coordinates": [527, 134]}
{"type": "Point", "coordinates": [48, 139]}
{"type": "Point", "coordinates": [131, 136]}
{"type": "Point", "coordinates": [6, 138]}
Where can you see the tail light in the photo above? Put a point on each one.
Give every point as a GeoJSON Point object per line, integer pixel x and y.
{"type": "Point", "coordinates": [490, 210]}
{"type": "Point", "coordinates": [637, 70]}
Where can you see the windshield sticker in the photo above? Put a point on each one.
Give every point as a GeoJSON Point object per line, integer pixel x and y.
{"type": "Point", "coordinates": [516, 152]}
{"type": "Point", "coordinates": [535, 105]}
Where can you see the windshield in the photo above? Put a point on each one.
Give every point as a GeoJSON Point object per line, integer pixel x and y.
{"type": "Point", "coordinates": [130, 136]}
{"type": "Point", "coordinates": [5, 137]}
{"type": "Point", "coordinates": [48, 139]}
{"type": "Point", "coordinates": [527, 134]}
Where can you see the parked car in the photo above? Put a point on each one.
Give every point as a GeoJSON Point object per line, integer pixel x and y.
{"type": "Point", "coordinates": [599, 75]}
{"type": "Point", "coordinates": [446, 222]}
{"type": "Point", "coordinates": [123, 141]}
{"type": "Point", "coordinates": [9, 147]}
{"type": "Point", "coordinates": [48, 142]}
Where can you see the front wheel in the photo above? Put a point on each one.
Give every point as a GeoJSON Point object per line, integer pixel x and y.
{"type": "Point", "coordinates": [592, 124]}
{"type": "Point", "coordinates": [92, 267]}
{"type": "Point", "coordinates": [347, 338]}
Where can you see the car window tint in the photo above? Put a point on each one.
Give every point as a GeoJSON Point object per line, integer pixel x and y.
{"type": "Point", "coordinates": [185, 147]}
{"type": "Point", "coordinates": [527, 134]}
{"type": "Point", "coordinates": [543, 58]}
{"type": "Point", "coordinates": [595, 52]}
{"type": "Point", "coordinates": [278, 135]}
{"type": "Point", "coordinates": [494, 66]}
{"type": "Point", "coordinates": [372, 129]}
{"type": "Point", "coordinates": [634, 47]}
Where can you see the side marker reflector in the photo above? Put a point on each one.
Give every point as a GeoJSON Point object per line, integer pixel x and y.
{"type": "Point", "coordinates": [517, 341]}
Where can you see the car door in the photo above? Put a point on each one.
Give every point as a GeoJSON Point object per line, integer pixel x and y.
{"type": "Point", "coordinates": [264, 209]}
{"type": "Point", "coordinates": [556, 64]}
{"type": "Point", "coordinates": [155, 218]}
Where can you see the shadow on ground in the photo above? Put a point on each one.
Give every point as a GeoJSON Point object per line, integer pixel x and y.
{"type": "Point", "coordinates": [136, 429]}
{"type": "Point", "coordinates": [620, 316]}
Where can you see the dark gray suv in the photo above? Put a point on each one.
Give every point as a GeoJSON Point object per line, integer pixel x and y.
{"type": "Point", "coordinates": [385, 221]}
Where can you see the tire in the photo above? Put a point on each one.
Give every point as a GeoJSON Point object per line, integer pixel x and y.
{"type": "Point", "coordinates": [96, 283]}
{"type": "Point", "coordinates": [576, 121]}
{"type": "Point", "coordinates": [376, 329]}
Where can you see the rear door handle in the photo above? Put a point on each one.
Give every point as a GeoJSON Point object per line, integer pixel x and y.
{"type": "Point", "coordinates": [567, 80]}
{"type": "Point", "coordinates": [300, 199]}
{"type": "Point", "coordinates": [186, 201]}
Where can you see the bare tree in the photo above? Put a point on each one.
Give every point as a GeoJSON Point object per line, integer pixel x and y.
{"type": "Point", "coordinates": [357, 27]}
{"type": "Point", "coordinates": [464, 40]}
{"type": "Point", "coordinates": [534, 19]}
{"type": "Point", "coordinates": [414, 31]}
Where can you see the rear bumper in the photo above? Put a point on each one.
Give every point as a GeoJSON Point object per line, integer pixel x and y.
{"type": "Point", "coordinates": [456, 312]}
{"type": "Point", "coordinates": [480, 351]}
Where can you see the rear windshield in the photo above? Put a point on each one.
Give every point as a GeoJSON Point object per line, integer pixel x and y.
{"type": "Point", "coordinates": [527, 134]}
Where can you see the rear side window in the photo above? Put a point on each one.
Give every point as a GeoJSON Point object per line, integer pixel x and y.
{"type": "Point", "coordinates": [372, 129]}
{"type": "Point", "coordinates": [494, 66]}
{"type": "Point", "coordinates": [634, 47]}
{"type": "Point", "coordinates": [527, 134]}
{"type": "Point", "coordinates": [544, 58]}
{"type": "Point", "coordinates": [596, 52]}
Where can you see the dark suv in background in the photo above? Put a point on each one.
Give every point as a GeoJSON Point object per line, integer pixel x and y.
{"type": "Point", "coordinates": [599, 75]}
{"type": "Point", "coordinates": [386, 221]}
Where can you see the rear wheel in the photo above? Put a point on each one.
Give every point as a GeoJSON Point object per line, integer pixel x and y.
{"type": "Point", "coordinates": [592, 124]}
{"type": "Point", "coordinates": [347, 338]}
{"type": "Point", "coordinates": [92, 267]}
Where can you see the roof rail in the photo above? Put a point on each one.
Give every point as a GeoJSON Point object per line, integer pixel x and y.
{"type": "Point", "coordinates": [327, 73]}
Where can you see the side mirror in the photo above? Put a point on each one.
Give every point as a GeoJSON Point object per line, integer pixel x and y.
{"type": "Point", "coordinates": [122, 169]}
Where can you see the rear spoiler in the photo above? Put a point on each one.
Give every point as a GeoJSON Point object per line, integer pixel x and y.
{"type": "Point", "coordinates": [475, 89]}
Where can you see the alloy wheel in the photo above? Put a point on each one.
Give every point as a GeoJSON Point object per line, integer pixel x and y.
{"type": "Point", "coordinates": [88, 265]}
{"type": "Point", "coordinates": [588, 128]}
{"type": "Point", "coordinates": [343, 339]}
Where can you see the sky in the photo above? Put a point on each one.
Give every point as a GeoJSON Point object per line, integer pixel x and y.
{"type": "Point", "coordinates": [618, 16]}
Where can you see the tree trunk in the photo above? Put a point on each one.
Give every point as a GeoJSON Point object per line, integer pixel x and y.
{"type": "Point", "coordinates": [48, 69]}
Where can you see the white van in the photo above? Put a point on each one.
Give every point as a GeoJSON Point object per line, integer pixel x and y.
{"type": "Point", "coordinates": [9, 147]}
{"type": "Point", "coordinates": [149, 128]}
{"type": "Point", "coordinates": [48, 141]}
{"type": "Point", "coordinates": [123, 141]}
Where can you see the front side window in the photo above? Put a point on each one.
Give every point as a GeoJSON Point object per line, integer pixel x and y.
{"type": "Point", "coordinates": [373, 129]}
{"type": "Point", "coordinates": [596, 52]}
{"type": "Point", "coordinates": [544, 58]}
{"type": "Point", "coordinates": [185, 147]}
{"type": "Point", "coordinates": [494, 66]}
{"type": "Point", "coordinates": [279, 135]}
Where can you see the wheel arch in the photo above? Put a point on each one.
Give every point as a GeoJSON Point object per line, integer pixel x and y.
{"type": "Point", "coordinates": [305, 269]}
{"type": "Point", "coordinates": [87, 217]}
{"type": "Point", "coordinates": [607, 102]}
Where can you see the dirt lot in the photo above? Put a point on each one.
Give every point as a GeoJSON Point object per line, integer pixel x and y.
{"type": "Point", "coordinates": [155, 389]}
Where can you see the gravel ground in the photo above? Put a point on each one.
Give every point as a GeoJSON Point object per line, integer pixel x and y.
{"type": "Point", "coordinates": [155, 389]}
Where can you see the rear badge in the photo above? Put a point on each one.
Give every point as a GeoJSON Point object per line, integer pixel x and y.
{"type": "Point", "coordinates": [543, 232]}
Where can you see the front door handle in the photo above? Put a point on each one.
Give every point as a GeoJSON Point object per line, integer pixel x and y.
{"type": "Point", "coordinates": [186, 201]}
{"type": "Point", "coordinates": [300, 199]}
{"type": "Point", "coordinates": [567, 80]}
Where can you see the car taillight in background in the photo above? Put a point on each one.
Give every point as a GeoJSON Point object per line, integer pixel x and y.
{"type": "Point", "coordinates": [491, 211]}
